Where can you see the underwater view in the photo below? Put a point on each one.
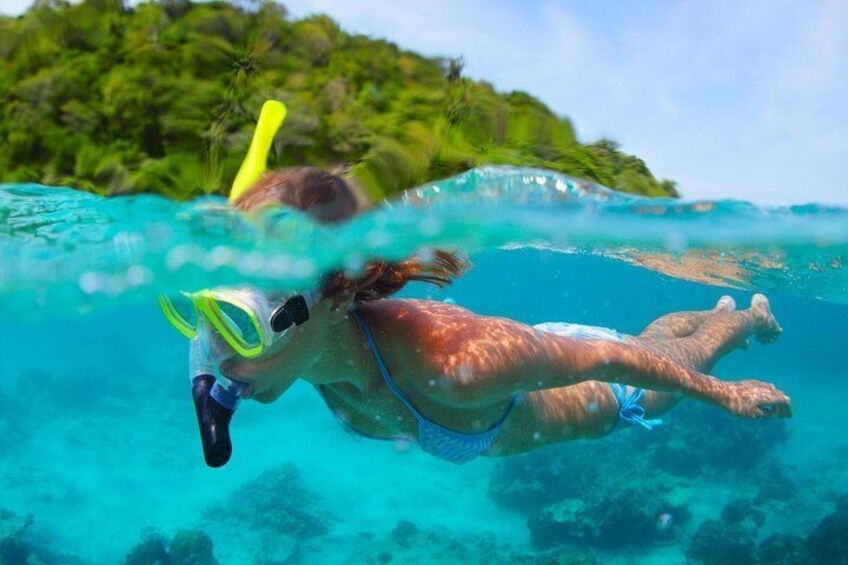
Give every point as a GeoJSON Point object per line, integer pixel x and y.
{"type": "Point", "coordinates": [101, 457]}
{"type": "Point", "coordinates": [541, 283]}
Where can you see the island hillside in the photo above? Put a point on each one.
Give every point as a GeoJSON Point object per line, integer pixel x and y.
{"type": "Point", "coordinates": [162, 98]}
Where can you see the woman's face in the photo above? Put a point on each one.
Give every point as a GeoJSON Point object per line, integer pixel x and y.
{"type": "Point", "coordinates": [288, 358]}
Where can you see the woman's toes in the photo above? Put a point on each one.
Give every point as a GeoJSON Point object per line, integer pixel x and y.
{"type": "Point", "coordinates": [767, 329]}
{"type": "Point", "coordinates": [726, 303]}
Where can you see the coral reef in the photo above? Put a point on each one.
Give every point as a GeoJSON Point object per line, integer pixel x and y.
{"type": "Point", "coordinates": [631, 490]}
{"type": "Point", "coordinates": [188, 547]}
{"type": "Point", "coordinates": [783, 549]}
{"type": "Point", "coordinates": [627, 518]}
{"type": "Point", "coordinates": [828, 542]}
{"type": "Point", "coordinates": [14, 549]}
{"type": "Point", "coordinates": [732, 539]}
{"type": "Point", "coordinates": [582, 495]}
{"type": "Point", "coordinates": [529, 482]}
{"type": "Point", "coordinates": [276, 502]}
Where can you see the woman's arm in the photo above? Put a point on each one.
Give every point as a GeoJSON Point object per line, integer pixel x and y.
{"type": "Point", "coordinates": [567, 361]}
{"type": "Point", "coordinates": [505, 357]}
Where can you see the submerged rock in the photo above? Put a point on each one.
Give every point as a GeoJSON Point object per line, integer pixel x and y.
{"type": "Point", "coordinates": [14, 548]}
{"type": "Point", "coordinates": [718, 542]}
{"type": "Point", "coordinates": [277, 502]}
{"type": "Point", "coordinates": [188, 547]}
{"type": "Point", "coordinates": [628, 518]}
{"type": "Point", "coordinates": [828, 542]}
{"type": "Point", "coordinates": [152, 550]}
{"type": "Point", "coordinates": [405, 533]}
{"type": "Point", "coordinates": [192, 547]}
{"type": "Point", "coordinates": [529, 482]}
{"type": "Point", "coordinates": [783, 549]}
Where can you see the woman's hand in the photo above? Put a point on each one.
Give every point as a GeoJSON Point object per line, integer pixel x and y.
{"type": "Point", "coordinates": [755, 399]}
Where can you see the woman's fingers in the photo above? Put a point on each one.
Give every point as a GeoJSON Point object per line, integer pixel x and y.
{"type": "Point", "coordinates": [756, 399]}
{"type": "Point", "coordinates": [781, 409]}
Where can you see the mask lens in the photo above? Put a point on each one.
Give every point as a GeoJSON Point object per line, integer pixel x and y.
{"type": "Point", "coordinates": [241, 323]}
{"type": "Point", "coordinates": [181, 313]}
{"type": "Point", "coordinates": [185, 310]}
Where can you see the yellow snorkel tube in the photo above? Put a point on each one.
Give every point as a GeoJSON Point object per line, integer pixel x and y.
{"type": "Point", "coordinates": [256, 161]}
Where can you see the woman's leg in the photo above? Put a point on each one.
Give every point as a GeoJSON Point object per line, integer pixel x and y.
{"type": "Point", "coordinates": [684, 324]}
{"type": "Point", "coordinates": [543, 417]}
{"type": "Point", "coordinates": [591, 410]}
{"type": "Point", "coordinates": [718, 332]}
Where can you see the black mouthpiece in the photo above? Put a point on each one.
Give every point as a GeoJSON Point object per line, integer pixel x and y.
{"type": "Point", "coordinates": [214, 422]}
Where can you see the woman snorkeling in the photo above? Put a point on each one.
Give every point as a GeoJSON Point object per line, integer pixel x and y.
{"type": "Point", "coordinates": [459, 384]}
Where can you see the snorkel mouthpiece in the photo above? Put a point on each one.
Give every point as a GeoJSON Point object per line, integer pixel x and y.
{"type": "Point", "coordinates": [215, 397]}
{"type": "Point", "coordinates": [213, 418]}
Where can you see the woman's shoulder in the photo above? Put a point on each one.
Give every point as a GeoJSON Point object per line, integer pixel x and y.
{"type": "Point", "coordinates": [392, 310]}
{"type": "Point", "coordinates": [430, 318]}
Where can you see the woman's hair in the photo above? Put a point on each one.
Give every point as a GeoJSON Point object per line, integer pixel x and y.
{"type": "Point", "coordinates": [327, 198]}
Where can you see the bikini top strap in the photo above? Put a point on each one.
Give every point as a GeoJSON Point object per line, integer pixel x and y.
{"type": "Point", "coordinates": [387, 377]}
{"type": "Point", "coordinates": [372, 344]}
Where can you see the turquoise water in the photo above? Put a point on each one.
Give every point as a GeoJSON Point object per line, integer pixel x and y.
{"type": "Point", "coordinates": [99, 443]}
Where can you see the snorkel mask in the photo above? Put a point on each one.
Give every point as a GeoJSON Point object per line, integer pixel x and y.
{"type": "Point", "coordinates": [220, 322]}
{"type": "Point", "coordinates": [246, 319]}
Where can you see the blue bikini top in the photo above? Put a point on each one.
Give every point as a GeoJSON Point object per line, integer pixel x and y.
{"type": "Point", "coordinates": [445, 443]}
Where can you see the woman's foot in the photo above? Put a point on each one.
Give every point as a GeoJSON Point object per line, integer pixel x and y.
{"type": "Point", "coordinates": [725, 304]}
{"type": "Point", "coordinates": [767, 329]}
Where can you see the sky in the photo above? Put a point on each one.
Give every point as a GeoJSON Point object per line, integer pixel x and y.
{"type": "Point", "coordinates": [740, 99]}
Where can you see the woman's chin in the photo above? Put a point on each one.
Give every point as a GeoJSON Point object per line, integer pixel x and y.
{"type": "Point", "coordinates": [265, 397]}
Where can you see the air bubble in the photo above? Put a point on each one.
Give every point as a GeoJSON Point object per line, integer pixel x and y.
{"type": "Point", "coordinates": [138, 275]}
{"type": "Point", "coordinates": [89, 282]}
{"type": "Point", "coordinates": [430, 226]}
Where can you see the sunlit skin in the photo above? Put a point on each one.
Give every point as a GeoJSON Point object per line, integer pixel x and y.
{"type": "Point", "coordinates": [461, 370]}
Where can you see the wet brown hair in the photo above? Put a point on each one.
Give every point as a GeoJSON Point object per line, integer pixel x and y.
{"type": "Point", "coordinates": [324, 196]}
{"type": "Point", "coordinates": [327, 198]}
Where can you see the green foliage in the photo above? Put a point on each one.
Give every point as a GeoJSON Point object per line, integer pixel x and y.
{"type": "Point", "coordinates": [163, 98]}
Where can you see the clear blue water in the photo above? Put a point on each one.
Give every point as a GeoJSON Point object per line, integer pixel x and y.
{"type": "Point", "coordinates": [97, 431]}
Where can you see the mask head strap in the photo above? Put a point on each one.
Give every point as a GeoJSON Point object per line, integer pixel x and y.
{"type": "Point", "coordinates": [293, 312]}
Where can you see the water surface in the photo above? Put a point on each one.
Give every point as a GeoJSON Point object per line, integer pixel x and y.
{"type": "Point", "coordinates": [98, 434]}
